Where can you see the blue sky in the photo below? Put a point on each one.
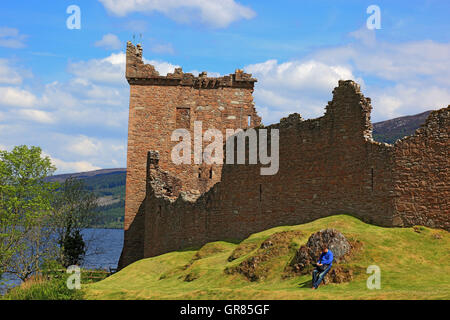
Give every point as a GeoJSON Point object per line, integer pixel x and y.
{"type": "Point", "coordinates": [64, 90]}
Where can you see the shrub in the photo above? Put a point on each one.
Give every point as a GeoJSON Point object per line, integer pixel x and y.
{"type": "Point", "coordinates": [40, 288]}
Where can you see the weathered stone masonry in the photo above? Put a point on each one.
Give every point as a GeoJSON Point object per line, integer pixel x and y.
{"type": "Point", "coordinates": [328, 165]}
{"type": "Point", "coordinates": [158, 106]}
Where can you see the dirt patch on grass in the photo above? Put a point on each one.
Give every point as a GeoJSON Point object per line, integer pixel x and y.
{"type": "Point", "coordinates": [257, 267]}
{"type": "Point", "coordinates": [436, 236]}
{"type": "Point", "coordinates": [191, 276]}
{"type": "Point", "coordinates": [419, 229]}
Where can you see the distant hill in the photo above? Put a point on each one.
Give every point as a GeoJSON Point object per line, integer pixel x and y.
{"type": "Point", "coordinates": [85, 175]}
{"type": "Point", "coordinates": [390, 131]}
{"type": "Point", "coordinates": [109, 184]}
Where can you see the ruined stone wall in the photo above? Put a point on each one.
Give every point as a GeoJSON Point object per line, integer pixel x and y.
{"type": "Point", "coordinates": [158, 106]}
{"type": "Point", "coordinates": [328, 166]}
{"type": "Point", "coordinates": [421, 174]}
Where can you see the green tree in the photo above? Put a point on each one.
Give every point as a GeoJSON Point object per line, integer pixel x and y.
{"type": "Point", "coordinates": [74, 209]}
{"type": "Point", "coordinates": [25, 207]}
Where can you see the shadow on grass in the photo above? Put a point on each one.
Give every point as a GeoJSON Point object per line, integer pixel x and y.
{"type": "Point", "coordinates": [305, 284]}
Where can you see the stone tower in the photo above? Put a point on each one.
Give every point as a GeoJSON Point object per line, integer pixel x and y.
{"type": "Point", "coordinates": [160, 104]}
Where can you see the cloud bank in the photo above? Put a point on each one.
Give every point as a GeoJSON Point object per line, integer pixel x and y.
{"type": "Point", "coordinates": [82, 121]}
{"type": "Point", "coordinates": [401, 78]}
{"type": "Point", "coordinates": [214, 13]}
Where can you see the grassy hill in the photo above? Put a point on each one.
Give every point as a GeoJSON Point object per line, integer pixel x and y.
{"type": "Point", "coordinates": [413, 262]}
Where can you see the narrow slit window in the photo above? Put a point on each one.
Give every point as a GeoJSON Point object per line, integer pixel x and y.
{"type": "Point", "coordinates": [249, 123]}
{"type": "Point", "coordinates": [372, 179]}
{"type": "Point", "coordinates": [210, 173]}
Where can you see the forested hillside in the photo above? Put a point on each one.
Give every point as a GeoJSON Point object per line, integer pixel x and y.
{"type": "Point", "coordinates": [109, 186]}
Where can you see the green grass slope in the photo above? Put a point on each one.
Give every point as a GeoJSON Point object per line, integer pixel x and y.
{"type": "Point", "coordinates": [413, 263]}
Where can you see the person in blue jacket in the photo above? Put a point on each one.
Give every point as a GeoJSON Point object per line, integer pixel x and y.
{"type": "Point", "coordinates": [323, 266]}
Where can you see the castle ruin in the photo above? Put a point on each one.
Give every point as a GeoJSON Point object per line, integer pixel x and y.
{"type": "Point", "coordinates": [329, 165]}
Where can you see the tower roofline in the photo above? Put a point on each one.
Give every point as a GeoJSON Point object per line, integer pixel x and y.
{"type": "Point", "coordinates": [137, 72]}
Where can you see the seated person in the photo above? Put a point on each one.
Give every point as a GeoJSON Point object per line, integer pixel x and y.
{"type": "Point", "coordinates": [322, 267]}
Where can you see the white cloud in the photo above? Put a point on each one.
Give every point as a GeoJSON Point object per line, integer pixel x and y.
{"type": "Point", "coordinates": [11, 38]}
{"type": "Point", "coordinates": [80, 103]}
{"type": "Point", "coordinates": [118, 148]}
{"type": "Point", "coordinates": [405, 78]}
{"type": "Point", "coordinates": [307, 75]}
{"type": "Point", "coordinates": [8, 75]}
{"type": "Point", "coordinates": [216, 13]}
{"type": "Point", "coordinates": [402, 99]}
{"type": "Point", "coordinates": [16, 97]}
{"type": "Point", "coordinates": [416, 60]}
{"type": "Point", "coordinates": [95, 98]}
{"type": "Point", "coordinates": [85, 117]}
{"type": "Point", "coordinates": [295, 86]}
{"type": "Point", "coordinates": [401, 78]}
{"type": "Point", "coordinates": [108, 70]}
{"type": "Point", "coordinates": [73, 166]}
{"type": "Point", "coordinates": [58, 96]}
{"type": "Point", "coordinates": [162, 67]}
{"type": "Point", "coordinates": [109, 41]}
{"type": "Point", "coordinates": [84, 146]}
{"type": "Point", "coordinates": [36, 116]}
{"type": "Point", "coordinates": [68, 155]}
{"type": "Point", "coordinates": [111, 70]}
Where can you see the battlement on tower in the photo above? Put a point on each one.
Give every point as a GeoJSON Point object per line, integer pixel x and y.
{"type": "Point", "coordinates": [137, 72]}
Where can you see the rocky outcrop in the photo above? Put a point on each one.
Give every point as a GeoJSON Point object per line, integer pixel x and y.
{"type": "Point", "coordinates": [307, 255]}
